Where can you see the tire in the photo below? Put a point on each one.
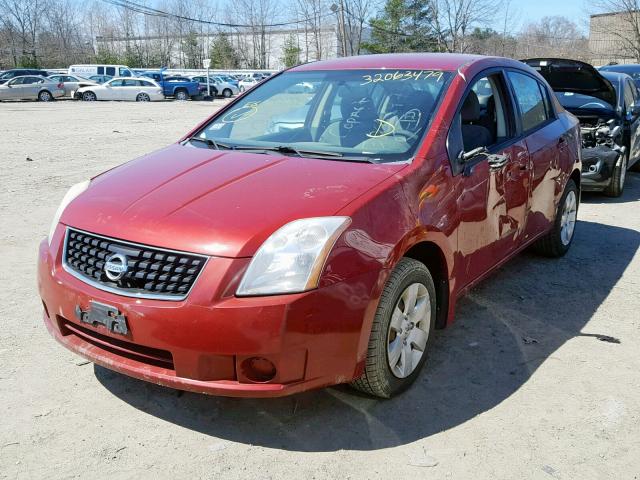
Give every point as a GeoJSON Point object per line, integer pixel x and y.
{"type": "Point", "coordinates": [45, 96]}
{"type": "Point", "coordinates": [556, 243]}
{"type": "Point", "coordinates": [616, 184]}
{"type": "Point", "coordinates": [89, 97]}
{"type": "Point", "coordinates": [143, 97]}
{"type": "Point", "coordinates": [387, 373]}
{"type": "Point", "coordinates": [226, 93]}
{"type": "Point", "coordinates": [182, 95]}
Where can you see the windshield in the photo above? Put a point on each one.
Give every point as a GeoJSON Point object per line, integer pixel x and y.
{"type": "Point", "coordinates": [572, 100]}
{"type": "Point", "coordinates": [377, 114]}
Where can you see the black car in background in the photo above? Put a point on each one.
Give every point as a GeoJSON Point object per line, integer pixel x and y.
{"type": "Point", "coordinates": [18, 72]}
{"type": "Point", "coordinates": [631, 69]}
{"type": "Point", "coordinates": [608, 107]}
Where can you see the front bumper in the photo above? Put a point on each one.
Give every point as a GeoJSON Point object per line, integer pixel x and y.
{"type": "Point", "coordinates": [597, 167]}
{"type": "Point", "coordinates": [203, 343]}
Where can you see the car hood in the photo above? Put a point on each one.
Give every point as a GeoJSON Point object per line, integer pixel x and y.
{"type": "Point", "coordinates": [219, 203]}
{"type": "Point", "coordinates": [574, 76]}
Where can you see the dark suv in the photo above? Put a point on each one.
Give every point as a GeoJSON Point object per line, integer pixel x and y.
{"type": "Point", "coordinates": [17, 72]}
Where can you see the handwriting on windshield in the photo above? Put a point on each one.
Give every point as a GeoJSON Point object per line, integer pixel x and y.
{"type": "Point", "coordinates": [241, 113]}
{"type": "Point", "coordinates": [401, 76]}
{"type": "Point", "coordinates": [383, 129]}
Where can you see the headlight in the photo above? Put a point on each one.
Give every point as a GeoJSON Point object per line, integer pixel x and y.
{"type": "Point", "coordinates": [73, 192]}
{"type": "Point", "coordinates": [292, 259]}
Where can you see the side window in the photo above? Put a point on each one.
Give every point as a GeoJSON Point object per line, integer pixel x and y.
{"type": "Point", "coordinates": [100, 70]}
{"type": "Point", "coordinates": [117, 83]}
{"type": "Point", "coordinates": [144, 83]}
{"type": "Point", "coordinates": [530, 100]}
{"type": "Point", "coordinates": [628, 96]}
{"type": "Point", "coordinates": [124, 72]}
{"type": "Point", "coordinates": [31, 80]}
{"type": "Point", "coordinates": [484, 118]}
{"type": "Point", "coordinates": [18, 81]}
{"type": "Point", "coordinates": [111, 71]}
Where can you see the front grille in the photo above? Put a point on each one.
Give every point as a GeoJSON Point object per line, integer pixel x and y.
{"type": "Point", "coordinates": [151, 272]}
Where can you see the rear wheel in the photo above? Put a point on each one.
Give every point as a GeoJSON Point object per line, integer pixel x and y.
{"type": "Point", "coordinates": [557, 242]}
{"type": "Point", "coordinates": [45, 96]}
{"type": "Point", "coordinates": [226, 93]}
{"type": "Point", "coordinates": [89, 97]}
{"type": "Point", "coordinates": [143, 97]}
{"type": "Point", "coordinates": [182, 95]}
{"type": "Point", "coordinates": [401, 330]}
{"type": "Point", "coordinates": [616, 184]}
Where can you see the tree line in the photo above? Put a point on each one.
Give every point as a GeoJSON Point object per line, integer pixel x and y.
{"type": "Point", "coordinates": [241, 33]}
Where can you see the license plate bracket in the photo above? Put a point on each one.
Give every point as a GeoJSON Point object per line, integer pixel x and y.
{"type": "Point", "coordinates": [105, 315]}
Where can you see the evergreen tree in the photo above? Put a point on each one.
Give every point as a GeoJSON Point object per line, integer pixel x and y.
{"type": "Point", "coordinates": [402, 26]}
{"type": "Point", "coordinates": [290, 52]}
{"type": "Point", "coordinates": [222, 53]}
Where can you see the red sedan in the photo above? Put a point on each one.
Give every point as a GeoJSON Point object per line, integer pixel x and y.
{"type": "Point", "coordinates": [316, 230]}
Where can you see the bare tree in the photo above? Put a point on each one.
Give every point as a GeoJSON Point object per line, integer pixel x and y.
{"type": "Point", "coordinates": [623, 25]}
{"type": "Point", "coordinates": [453, 20]}
{"type": "Point", "coordinates": [358, 12]}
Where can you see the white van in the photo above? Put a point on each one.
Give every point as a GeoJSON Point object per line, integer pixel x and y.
{"type": "Point", "coordinates": [111, 70]}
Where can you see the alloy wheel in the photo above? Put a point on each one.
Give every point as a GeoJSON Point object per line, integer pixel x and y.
{"type": "Point", "coordinates": [409, 330]}
{"type": "Point", "coordinates": [45, 97]}
{"type": "Point", "coordinates": [568, 219]}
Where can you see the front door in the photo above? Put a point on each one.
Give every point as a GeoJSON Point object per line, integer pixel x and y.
{"type": "Point", "coordinates": [492, 193]}
{"type": "Point", "coordinates": [632, 121]}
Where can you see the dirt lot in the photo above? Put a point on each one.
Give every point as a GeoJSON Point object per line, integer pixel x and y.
{"type": "Point", "coordinates": [538, 378]}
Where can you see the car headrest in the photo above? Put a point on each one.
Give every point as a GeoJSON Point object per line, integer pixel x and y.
{"type": "Point", "coordinates": [470, 108]}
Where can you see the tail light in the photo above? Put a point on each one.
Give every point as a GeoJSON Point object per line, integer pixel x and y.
{"type": "Point", "coordinates": [61, 85]}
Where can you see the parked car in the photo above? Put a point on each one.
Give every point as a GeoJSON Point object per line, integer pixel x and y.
{"type": "Point", "coordinates": [246, 263]}
{"type": "Point", "coordinates": [217, 84]}
{"type": "Point", "coordinates": [607, 105]}
{"type": "Point", "coordinates": [232, 80]}
{"type": "Point", "coordinates": [631, 69]}
{"type": "Point", "coordinates": [31, 87]}
{"type": "Point", "coordinates": [88, 70]}
{"type": "Point", "coordinates": [247, 83]}
{"type": "Point", "coordinates": [100, 78]}
{"type": "Point", "coordinates": [19, 72]}
{"type": "Point", "coordinates": [127, 89]}
{"type": "Point", "coordinates": [181, 88]}
{"type": "Point", "coordinates": [72, 83]}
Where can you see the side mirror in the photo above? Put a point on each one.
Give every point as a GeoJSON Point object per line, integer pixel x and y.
{"type": "Point", "coordinates": [634, 109]}
{"type": "Point", "coordinates": [108, 85]}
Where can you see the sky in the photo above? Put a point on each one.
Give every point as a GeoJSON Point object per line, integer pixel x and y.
{"type": "Point", "coordinates": [533, 10]}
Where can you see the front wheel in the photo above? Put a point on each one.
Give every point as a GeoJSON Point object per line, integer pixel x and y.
{"type": "Point", "coordinates": [401, 331]}
{"type": "Point", "coordinates": [616, 184]}
{"type": "Point", "coordinates": [45, 96]}
{"type": "Point", "coordinates": [226, 93]}
{"type": "Point", "coordinates": [557, 242]}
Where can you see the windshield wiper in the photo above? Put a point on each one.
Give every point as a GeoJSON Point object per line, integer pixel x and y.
{"type": "Point", "coordinates": [301, 152]}
{"type": "Point", "coordinates": [211, 143]}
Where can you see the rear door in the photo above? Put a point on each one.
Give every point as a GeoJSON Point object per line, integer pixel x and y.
{"type": "Point", "coordinates": [546, 142]}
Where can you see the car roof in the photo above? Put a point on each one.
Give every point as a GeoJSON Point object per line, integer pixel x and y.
{"type": "Point", "coordinates": [615, 76]}
{"type": "Point", "coordinates": [438, 61]}
{"type": "Point", "coordinates": [621, 67]}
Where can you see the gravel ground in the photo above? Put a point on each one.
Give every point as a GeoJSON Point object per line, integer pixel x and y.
{"type": "Point", "coordinates": [538, 377]}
